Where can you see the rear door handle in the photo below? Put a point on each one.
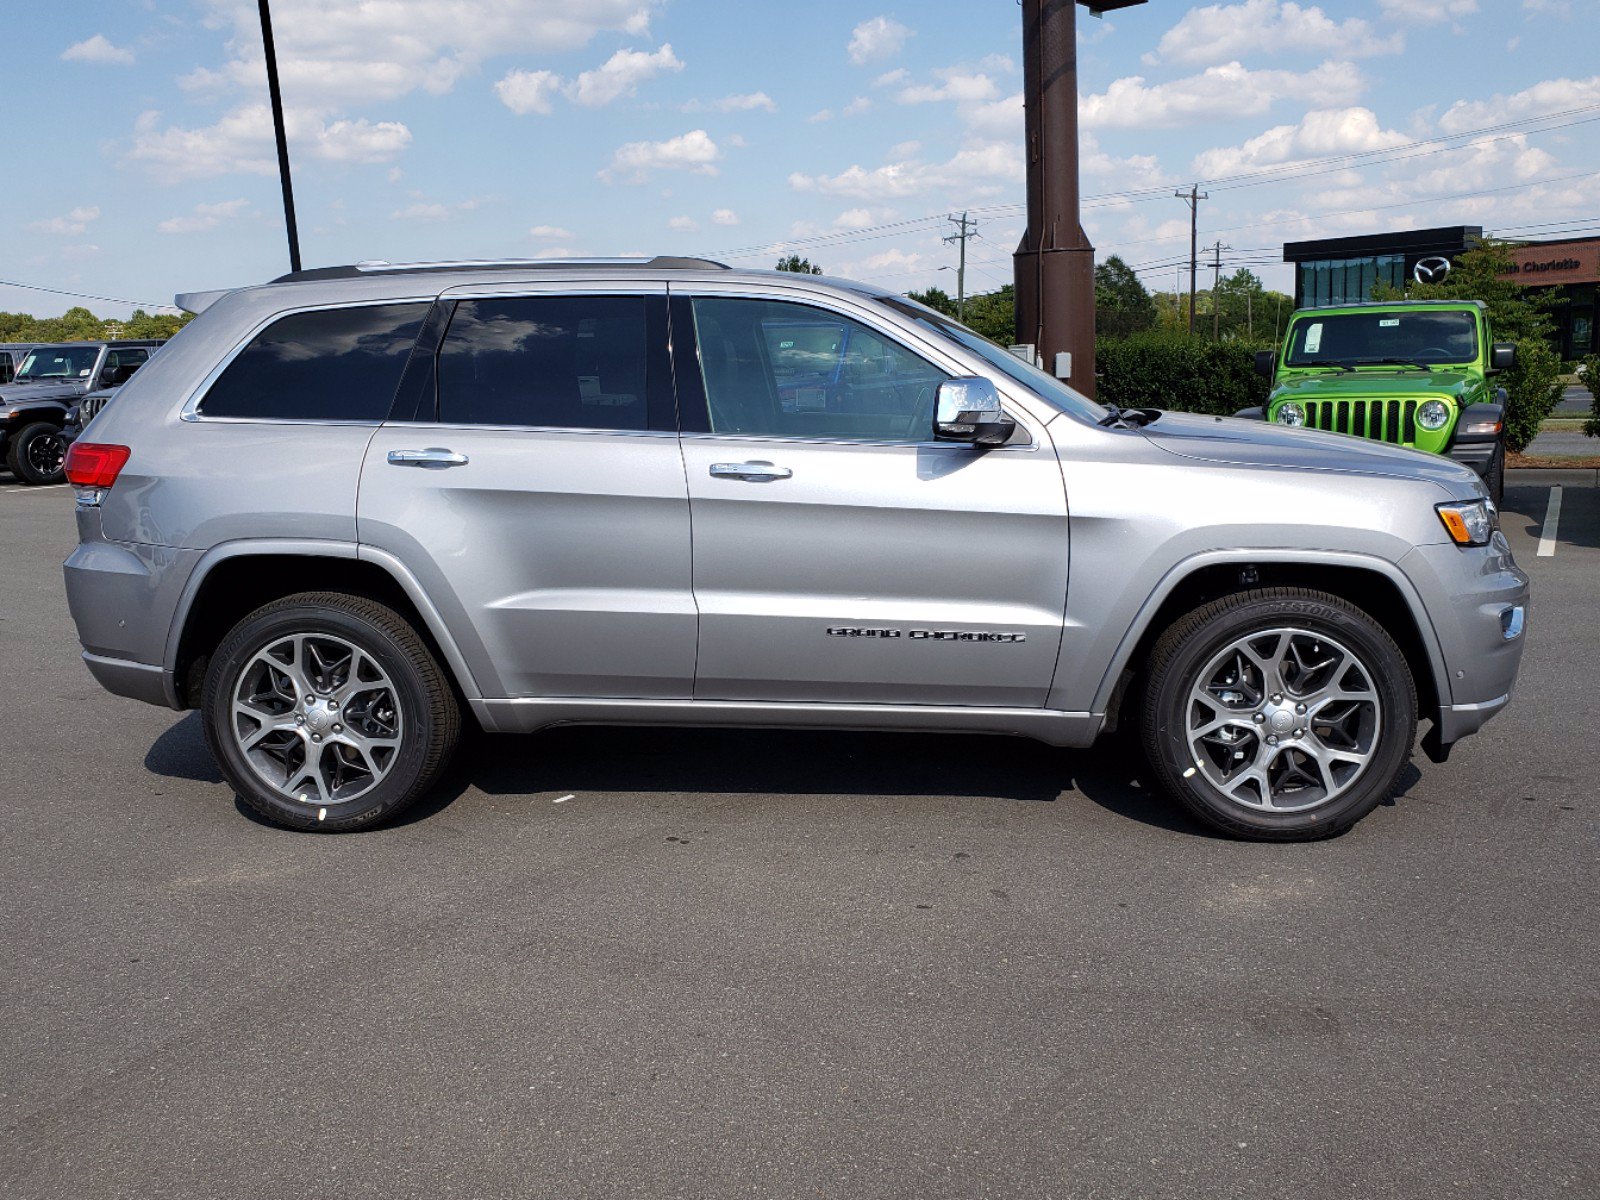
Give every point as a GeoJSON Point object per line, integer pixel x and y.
{"type": "Point", "coordinates": [433, 456]}
{"type": "Point", "coordinates": [751, 472]}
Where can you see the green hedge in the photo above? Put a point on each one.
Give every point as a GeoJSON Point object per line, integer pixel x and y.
{"type": "Point", "coordinates": [1190, 374]}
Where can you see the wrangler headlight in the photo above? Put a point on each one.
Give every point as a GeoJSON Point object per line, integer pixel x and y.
{"type": "Point", "coordinates": [1470, 522]}
{"type": "Point", "coordinates": [1433, 415]}
{"type": "Point", "coordinates": [1290, 414]}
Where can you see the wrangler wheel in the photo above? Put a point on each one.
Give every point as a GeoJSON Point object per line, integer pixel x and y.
{"type": "Point", "coordinates": [1280, 714]}
{"type": "Point", "coordinates": [38, 454]}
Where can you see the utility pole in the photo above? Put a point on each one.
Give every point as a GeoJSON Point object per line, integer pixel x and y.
{"type": "Point", "coordinates": [964, 229]}
{"type": "Point", "coordinates": [283, 142]}
{"type": "Point", "coordinates": [1216, 289]}
{"type": "Point", "coordinates": [1194, 195]}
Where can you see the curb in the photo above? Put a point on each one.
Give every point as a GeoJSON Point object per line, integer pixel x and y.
{"type": "Point", "coordinates": [1550, 476]}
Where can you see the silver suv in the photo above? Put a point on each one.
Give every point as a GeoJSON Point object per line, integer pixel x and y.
{"type": "Point", "coordinates": [341, 510]}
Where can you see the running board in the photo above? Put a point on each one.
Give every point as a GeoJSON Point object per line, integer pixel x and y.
{"type": "Point", "coordinates": [1052, 726]}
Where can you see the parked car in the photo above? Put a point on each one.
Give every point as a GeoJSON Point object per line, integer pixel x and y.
{"type": "Point", "coordinates": [84, 411]}
{"type": "Point", "coordinates": [360, 505]}
{"type": "Point", "coordinates": [50, 379]}
{"type": "Point", "coordinates": [11, 356]}
{"type": "Point", "coordinates": [1413, 373]}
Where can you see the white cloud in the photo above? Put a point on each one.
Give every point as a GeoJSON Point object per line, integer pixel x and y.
{"type": "Point", "coordinates": [330, 54]}
{"type": "Point", "coordinates": [74, 222]}
{"type": "Point", "coordinates": [524, 92]}
{"type": "Point", "coordinates": [204, 216]}
{"type": "Point", "coordinates": [978, 170]}
{"type": "Point", "coordinates": [79, 250]}
{"type": "Point", "coordinates": [958, 85]}
{"type": "Point", "coordinates": [1319, 134]}
{"type": "Point", "coordinates": [890, 78]}
{"type": "Point", "coordinates": [724, 216]}
{"type": "Point", "coordinates": [550, 233]}
{"type": "Point", "coordinates": [97, 50]}
{"type": "Point", "coordinates": [879, 37]}
{"type": "Point", "coordinates": [683, 224]}
{"type": "Point", "coordinates": [620, 75]}
{"type": "Point", "coordinates": [1230, 90]}
{"type": "Point", "coordinates": [424, 210]}
{"type": "Point", "coordinates": [1219, 33]}
{"type": "Point", "coordinates": [241, 141]}
{"type": "Point", "coordinates": [692, 151]}
{"type": "Point", "coordinates": [853, 218]}
{"type": "Point", "coordinates": [743, 103]}
{"type": "Point", "coordinates": [1426, 12]}
{"type": "Point", "coordinates": [1548, 96]}
{"type": "Point", "coordinates": [856, 107]}
{"type": "Point", "coordinates": [825, 114]}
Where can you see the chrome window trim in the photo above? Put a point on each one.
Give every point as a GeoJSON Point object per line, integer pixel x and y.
{"type": "Point", "coordinates": [585, 430]}
{"type": "Point", "coordinates": [864, 313]}
{"type": "Point", "coordinates": [190, 411]}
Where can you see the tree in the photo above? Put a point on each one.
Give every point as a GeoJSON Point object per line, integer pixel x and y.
{"type": "Point", "coordinates": [935, 298]}
{"type": "Point", "coordinates": [799, 265]}
{"type": "Point", "coordinates": [1121, 303]}
{"type": "Point", "coordinates": [1516, 314]}
{"type": "Point", "coordinates": [994, 315]}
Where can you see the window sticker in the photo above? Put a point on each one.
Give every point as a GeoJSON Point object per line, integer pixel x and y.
{"type": "Point", "coordinates": [83, 374]}
{"type": "Point", "coordinates": [1314, 338]}
{"type": "Point", "coordinates": [1389, 323]}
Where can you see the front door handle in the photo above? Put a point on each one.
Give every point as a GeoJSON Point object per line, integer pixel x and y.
{"type": "Point", "coordinates": [433, 456]}
{"type": "Point", "coordinates": [751, 472]}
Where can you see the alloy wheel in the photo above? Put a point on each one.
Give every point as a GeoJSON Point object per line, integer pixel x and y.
{"type": "Point", "coordinates": [317, 718]}
{"type": "Point", "coordinates": [1283, 720]}
{"type": "Point", "coordinates": [46, 454]}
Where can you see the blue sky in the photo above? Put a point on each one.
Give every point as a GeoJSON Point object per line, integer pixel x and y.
{"type": "Point", "coordinates": [143, 162]}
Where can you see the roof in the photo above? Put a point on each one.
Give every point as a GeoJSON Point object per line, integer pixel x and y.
{"type": "Point", "coordinates": [1329, 308]}
{"type": "Point", "coordinates": [364, 270]}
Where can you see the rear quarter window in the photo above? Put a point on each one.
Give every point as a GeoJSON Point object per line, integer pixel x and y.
{"type": "Point", "coordinates": [334, 364]}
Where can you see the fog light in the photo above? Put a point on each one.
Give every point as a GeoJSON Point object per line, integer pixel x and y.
{"type": "Point", "coordinates": [1511, 622]}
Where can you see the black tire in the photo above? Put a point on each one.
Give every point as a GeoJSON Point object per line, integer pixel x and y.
{"type": "Point", "coordinates": [431, 719]}
{"type": "Point", "coordinates": [1494, 477]}
{"type": "Point", "coordinates": [37, 454]}
{"type": "Point", "coordinates": [1192, 645]}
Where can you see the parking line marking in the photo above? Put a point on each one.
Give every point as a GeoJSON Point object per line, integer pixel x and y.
{"type": "Point", "coordinates": [23, 489]}
{"type": "Point", "coordinates": [1552, 523]}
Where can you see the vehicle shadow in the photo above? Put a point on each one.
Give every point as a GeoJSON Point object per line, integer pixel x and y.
{"type": "Point", "coordinates": [758, 762]}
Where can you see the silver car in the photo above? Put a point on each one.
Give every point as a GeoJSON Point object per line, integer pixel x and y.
{"type": "Point", "coordinates": [344, 511]}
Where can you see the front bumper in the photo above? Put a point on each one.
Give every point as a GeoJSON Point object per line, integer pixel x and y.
{"type": "Point", "coordinates": [1477, 600]}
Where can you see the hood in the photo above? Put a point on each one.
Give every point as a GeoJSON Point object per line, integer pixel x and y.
{"type": "Point", "coordinates": [1366, 383]}
{"type": "Point", "coordinates": [1248, 443]}
{"type": "Point", "coordinates": [45, 389]}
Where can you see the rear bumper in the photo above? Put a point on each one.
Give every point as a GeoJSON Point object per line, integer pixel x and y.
{"type": "Point", "coordinates": [137, 681]}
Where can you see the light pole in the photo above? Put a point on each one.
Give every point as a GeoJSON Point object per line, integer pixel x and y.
{"type": "Point", "coordinates": [283, 142]}
{"type": "Point", "coordinates": [1054, 264]}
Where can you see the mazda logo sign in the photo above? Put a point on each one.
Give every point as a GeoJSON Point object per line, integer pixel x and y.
{"type": "Point", "coordinates": [1431, 270]}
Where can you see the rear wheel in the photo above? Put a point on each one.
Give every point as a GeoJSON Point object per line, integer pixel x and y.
{"type": "Point", "coordinates": [37, 454]}
{"type": "Point", "coordinates": [1279, 714]}
{"type": "Point", "coordinates": [327, 711]}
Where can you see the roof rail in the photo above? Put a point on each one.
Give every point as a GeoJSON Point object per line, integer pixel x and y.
{"type": "Point", "coordinates": [661, 262]}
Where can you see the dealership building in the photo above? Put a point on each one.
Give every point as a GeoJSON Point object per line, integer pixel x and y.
{"type": "Point", "coordinates": [1344, 270]}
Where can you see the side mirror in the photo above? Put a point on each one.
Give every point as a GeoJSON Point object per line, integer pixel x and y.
{"type": "Point", "coordinates": [1502, 356]}
{"type": "Point", "coordinates": [1266, 362]}
{"type": "Point", "coordinates": [112, 376]}
{"type": "Point", "coordinates": [967, 409]}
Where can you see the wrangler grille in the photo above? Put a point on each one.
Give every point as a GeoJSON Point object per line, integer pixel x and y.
{"type": "Point", "coordinates": [1380, 420]}
{"type": "Point", "coordinates": [89, 406]}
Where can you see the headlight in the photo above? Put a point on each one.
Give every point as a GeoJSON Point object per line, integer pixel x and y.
{"type": "Point", "coordinates": [1290, 414]}
{"type": "Point", "coordinates": [1470, 522]}
{"type": "Point", "coordinates": [1433, 415]}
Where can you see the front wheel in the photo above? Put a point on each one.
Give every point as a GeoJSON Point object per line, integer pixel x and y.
{"type": "Point", "coordinates": [1279, 714]}
{"type": "Point", "coordinates": [328, 711]}
{"type": "Point", "coordinates": [1494, 479]}
{"type": "Point", "coordinates": [38, 454]}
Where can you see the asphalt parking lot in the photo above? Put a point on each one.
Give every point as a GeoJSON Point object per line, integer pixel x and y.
{"type": "Point", "coordinates": [674, 963]}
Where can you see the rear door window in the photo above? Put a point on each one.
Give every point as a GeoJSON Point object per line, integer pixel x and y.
{"type": "Point", "coordinates": [560, 362]}
{"type": "Point", "coordinates": [334, 364]}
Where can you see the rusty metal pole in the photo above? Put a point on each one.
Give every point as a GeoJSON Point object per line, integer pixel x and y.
{"type": "Point", "coordinates": [1054, 263]}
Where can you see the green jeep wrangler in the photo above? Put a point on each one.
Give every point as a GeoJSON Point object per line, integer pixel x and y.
{"type": "Point", "coordinates": [1415, 373]}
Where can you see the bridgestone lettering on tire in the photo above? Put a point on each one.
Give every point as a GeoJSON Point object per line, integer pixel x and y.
{"type": "Point", "coordinates": [328, 711]}
{"type": "Point", "coordinates": [1279, 714]}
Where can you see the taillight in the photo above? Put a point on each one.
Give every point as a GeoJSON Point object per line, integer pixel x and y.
{"type": "Point", "coordinates": [95, 464]}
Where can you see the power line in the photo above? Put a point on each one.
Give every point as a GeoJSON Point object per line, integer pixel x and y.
{"type": "Point", "coordinates": [34, 287]}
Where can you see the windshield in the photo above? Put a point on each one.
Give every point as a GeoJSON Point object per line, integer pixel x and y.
{"type": "Point", "coordinates": [58, 362]}
{"type": "Point", "coordinates": [1046, 387]}
{"type": "Point", "coordinates": [1423, 336]}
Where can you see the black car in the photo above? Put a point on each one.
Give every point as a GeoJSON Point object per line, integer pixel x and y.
{"type": "Point", "coordinates": [49, 382]}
